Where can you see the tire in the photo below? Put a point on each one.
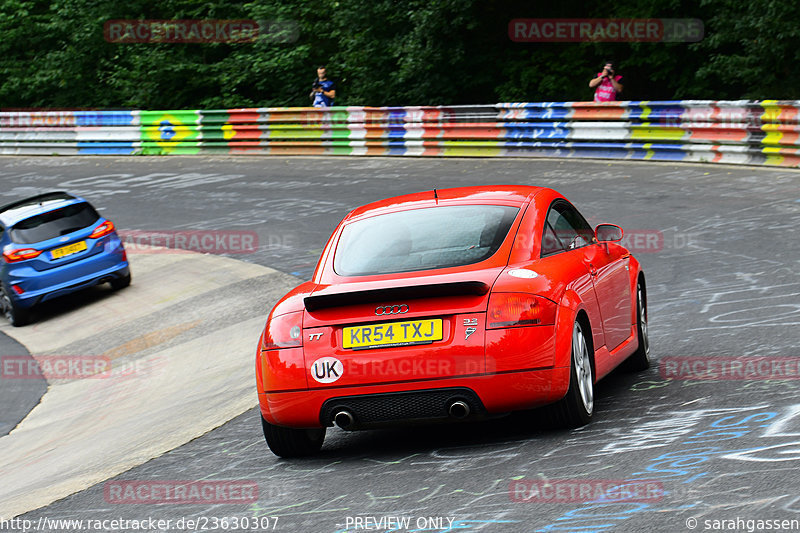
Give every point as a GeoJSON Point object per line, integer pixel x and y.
{"type": "Point", "coordinates": [291, 442]}
{"type": "Point", "coordinates": [576, 408]}
{"type": "Point", "coordinates": [15, 315]}
{"type": "Point", "coordinates": [121, 283]}
{"type": "Point", "coordinates": [640, 359]}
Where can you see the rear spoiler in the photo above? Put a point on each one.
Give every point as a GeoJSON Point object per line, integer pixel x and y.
{"type": "Point", "coordinates": [39, 198]}
{"type": "Point", "coordinates": [458, 288]}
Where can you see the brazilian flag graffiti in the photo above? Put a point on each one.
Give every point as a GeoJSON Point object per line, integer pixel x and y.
{"type": "Point", "coordinates": [170, 132]}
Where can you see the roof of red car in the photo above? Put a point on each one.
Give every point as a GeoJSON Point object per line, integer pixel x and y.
{"type": "Point", "coordinates": [516, 194]}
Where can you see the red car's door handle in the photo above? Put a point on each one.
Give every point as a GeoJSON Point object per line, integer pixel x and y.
{"type": "Point", "coordinates": [592, 270]}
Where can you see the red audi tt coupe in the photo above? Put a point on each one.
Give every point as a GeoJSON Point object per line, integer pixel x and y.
{"type": "Point", "coordinates": [452, 304]}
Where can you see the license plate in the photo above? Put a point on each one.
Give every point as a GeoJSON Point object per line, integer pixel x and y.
{"type": "Point", "coordinates": [70, 249]}
{"type": "Point", "coordinates": [393, 334]}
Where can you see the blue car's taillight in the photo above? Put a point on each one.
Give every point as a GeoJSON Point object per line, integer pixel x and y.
{"type": "Point", "coordinates": [102, 230]}
{"type": "Point", "coordinates": [12, 256]}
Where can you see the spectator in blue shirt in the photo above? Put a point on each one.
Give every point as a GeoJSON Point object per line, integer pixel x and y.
{"type": "Point", "coordinates": [323, 92]}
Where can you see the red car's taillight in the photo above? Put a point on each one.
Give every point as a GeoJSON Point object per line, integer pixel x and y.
{"type": "Point", "coordinates": [511, 309]}
{"type": "Point", "coordinates": [20, 255]}
{"type": "Point", "coordinates": [102, 230]}
{"type": "Point", "coordinates": [284, 331]}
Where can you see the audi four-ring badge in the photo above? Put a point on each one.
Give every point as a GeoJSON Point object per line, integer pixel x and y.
{"type": "Point", "coordinates": [454, 305]}
{"type": "Point", "coordinates": [391, 309]}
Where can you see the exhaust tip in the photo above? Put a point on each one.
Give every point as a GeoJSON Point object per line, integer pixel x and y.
{"type": "Point", "coordinates": [343, 419]}
{"type": "Point", "coordinates": [458, 409]}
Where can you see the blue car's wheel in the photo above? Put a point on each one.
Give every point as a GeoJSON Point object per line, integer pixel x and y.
{"type": "Point", "coordinates": [15, 315]}
{"type": "Point", "coordinates": [121, 283]}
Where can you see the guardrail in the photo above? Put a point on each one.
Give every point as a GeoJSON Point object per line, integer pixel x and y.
{"type": "Point", "coordinates": [764, 132]}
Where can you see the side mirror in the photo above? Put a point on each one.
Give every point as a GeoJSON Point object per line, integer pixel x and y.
{"type": "Point", "coordinates": [608, 233]}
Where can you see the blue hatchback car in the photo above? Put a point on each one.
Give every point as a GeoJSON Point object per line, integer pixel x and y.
{"type": "Point", "coordinates": [54, 244]}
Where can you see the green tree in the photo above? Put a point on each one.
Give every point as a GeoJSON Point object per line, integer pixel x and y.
{"type": "Point", "coordinates": [382, 52]}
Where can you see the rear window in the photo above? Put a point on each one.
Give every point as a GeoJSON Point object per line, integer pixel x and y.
{"type": "Point", "coordinates": [422, 239]}
{"type": "Point", "coordinates": [53, 223]}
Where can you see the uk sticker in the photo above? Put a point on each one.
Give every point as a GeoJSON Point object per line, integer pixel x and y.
{"type": "Point", "coordinates": [327, 369]}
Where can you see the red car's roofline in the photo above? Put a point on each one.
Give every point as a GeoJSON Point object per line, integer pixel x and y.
{"type": "Point", "coordinates": [505, 194]}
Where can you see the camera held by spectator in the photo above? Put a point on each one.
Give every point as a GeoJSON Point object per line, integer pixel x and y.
{"type": "Point", "coordinates": [323, 90]}
{"type": "Point", "coordinates": [607, 84]}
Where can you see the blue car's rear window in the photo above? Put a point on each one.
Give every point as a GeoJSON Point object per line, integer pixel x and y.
{"type": "Point", "coordinates": [53, 223]}
{"type": "Point", "coordinates": [422, 239]}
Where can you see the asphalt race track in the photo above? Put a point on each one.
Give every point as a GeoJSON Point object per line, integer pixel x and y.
{"type": "Point", "coordinates": [721, 255]}
{"type": "Point", "coordinates": [175, 340]}
{"type": "Point", "coordinates": [17, 397]}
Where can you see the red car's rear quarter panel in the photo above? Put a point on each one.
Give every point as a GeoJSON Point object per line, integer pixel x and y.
{"type": "Point", "coordinates": [282, 370]}
{"type": "Point", "coordinates": [522, 348]}
{"type": "Point", "coordinates": [293, 300]}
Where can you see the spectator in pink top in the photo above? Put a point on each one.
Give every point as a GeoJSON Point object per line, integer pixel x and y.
{"type": "Point", "coordinates": [607, 84]}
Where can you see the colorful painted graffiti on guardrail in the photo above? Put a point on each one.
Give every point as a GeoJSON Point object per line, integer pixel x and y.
{"type": "Point", "coordinates": [746, 132]}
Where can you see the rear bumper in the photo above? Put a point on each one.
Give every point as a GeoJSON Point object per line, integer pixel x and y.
{"type": "Point", "coordinates": [379, 410]}
{"type": "Point", "coordinates": [497, 393]}
{"type": "Point", "coordinates": [45, 285]}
